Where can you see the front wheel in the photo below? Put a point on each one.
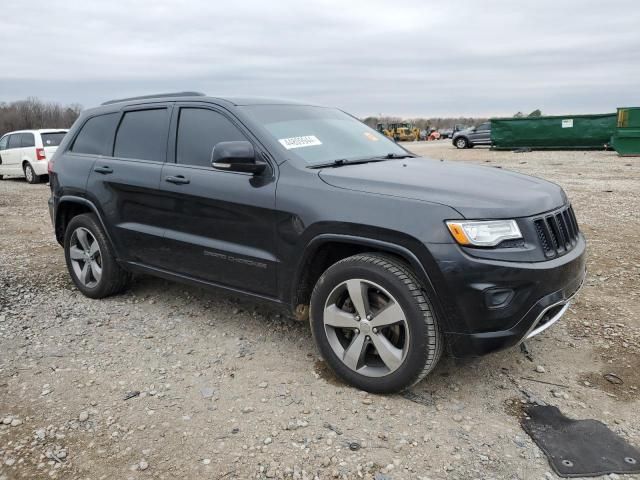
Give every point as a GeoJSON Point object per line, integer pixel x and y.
{"type": "Point", "coordinates": [462, 143]}
{"type": "Point", "coordinates": [374, 325]}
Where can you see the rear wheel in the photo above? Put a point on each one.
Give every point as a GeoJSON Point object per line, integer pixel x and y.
{"type": "Point", "coordinates": [462, 142]}
{"type": "Point", "coordinates": [373, 323]}
{"type": "Point", "coordinates": [30, 174]}
{"type": "Point", "coordinates": [90, 259]}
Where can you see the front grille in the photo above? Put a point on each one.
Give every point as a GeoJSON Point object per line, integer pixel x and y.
{"type": "Point", "coordinates": [557, 232]}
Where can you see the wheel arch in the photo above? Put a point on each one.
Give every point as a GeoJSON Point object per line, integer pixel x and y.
{"type": "Point", "coordinates": [326, 249]}
{"type": "Point", "coordinates": [70, 206]}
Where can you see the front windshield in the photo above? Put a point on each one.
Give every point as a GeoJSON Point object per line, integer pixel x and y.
{"type": "Point", "coordinates": [319, 135]}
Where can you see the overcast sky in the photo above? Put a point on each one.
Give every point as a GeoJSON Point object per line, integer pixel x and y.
{"type": "Point", "coordinates": [407, 58]}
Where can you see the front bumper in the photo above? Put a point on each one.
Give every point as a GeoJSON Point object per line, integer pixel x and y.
{"type": "Point", "coordinates": [537, 294]}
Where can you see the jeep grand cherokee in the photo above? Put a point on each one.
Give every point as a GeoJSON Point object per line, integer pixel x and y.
{"type": "Point", "coordinates": [391, 257]}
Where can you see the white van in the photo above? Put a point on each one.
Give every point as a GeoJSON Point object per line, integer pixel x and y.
{"type": "Point", "coordinates": [25, 153]}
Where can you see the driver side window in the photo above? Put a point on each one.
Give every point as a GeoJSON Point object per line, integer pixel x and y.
{"type": "Point", "coordinates": [199, 130]}
{"type": "Point", "coordinates": [3, 142]}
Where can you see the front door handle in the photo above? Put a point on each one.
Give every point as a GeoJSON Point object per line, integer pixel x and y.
{"type": "Point", "coordinates": [104, 170]}
{"type": "Point", "coordinates": [178, 180]}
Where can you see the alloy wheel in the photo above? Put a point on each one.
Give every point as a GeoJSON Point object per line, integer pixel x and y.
{"type": "Point", "coordinates": [86, 258]}
{"type": "Point", "coordinates": [28, 173]}
{"type": "Point", "coordinates": [366, 327]}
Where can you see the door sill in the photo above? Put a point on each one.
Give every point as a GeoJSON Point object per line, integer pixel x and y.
{"type": "Point", "coordinates": [166, 274]}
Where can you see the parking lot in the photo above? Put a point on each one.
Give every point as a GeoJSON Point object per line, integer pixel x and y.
{"type": "Point", "coordinates": [171, 381]}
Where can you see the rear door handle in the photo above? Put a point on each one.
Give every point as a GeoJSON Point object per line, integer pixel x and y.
{"type": "Point", "coordinates": [178, 180]}
{"type": "Point", "coordinates": [104, 170]}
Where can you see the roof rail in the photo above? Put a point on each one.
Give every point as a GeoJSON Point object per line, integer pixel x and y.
{"type": "Point", "coordinates": [157, 95]}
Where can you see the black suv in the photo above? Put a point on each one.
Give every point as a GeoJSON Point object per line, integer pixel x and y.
{"type": "Point", "coordinates": [393, 258]}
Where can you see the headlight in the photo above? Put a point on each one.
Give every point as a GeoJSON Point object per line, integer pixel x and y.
{"type": "Point", "coordinates": [483, 233]}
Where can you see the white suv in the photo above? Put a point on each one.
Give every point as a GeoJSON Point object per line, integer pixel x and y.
{"type": "Point", "coordinates": [25, 153]}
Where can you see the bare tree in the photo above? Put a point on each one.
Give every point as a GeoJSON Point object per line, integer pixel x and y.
{"type": "Point", "coordinates": [33, 114]}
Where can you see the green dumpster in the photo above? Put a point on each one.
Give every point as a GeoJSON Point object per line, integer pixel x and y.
{"type": "Point", "coordinates": [553, 132]}
{"type": "Point", "coordinates": [626, 139]}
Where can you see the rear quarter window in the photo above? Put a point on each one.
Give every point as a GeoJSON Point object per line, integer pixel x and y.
{"type": "Point", "coordinates": [96, 135]}
{"type": "Point", "coordinates": [52, 139]}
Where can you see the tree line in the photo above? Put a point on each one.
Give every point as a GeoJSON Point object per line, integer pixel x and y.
{"type": "Point", "coordinates": [439, 122]}
{"type": "Point", "coordinates": [32, 113]}
{"type": "Point", "coordinates": [427, 123]}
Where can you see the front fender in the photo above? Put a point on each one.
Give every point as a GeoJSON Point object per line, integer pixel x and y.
{"type": "Point", "coordinates": [411, 251]}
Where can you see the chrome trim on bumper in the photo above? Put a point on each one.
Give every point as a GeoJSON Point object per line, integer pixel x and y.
{"type": "Point", "coordinates": [536, 330]}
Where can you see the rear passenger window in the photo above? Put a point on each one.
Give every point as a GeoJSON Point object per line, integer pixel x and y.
{"type": "Point", "coordinates": [4, 142]}
{"type": "Point", "coordinates": [96, 135]}
{"type": "Point", "coordinates": [198, 132]}
{"type": "Point", "coordinates": [143, 135]}
{"type": "Point", "coordinates": [28, 140]}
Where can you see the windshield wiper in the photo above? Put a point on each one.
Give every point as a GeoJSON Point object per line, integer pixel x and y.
{"type": "Point", "coordinates": [343, 161]}
{"type": "Point", "coordinates": [394, 156]}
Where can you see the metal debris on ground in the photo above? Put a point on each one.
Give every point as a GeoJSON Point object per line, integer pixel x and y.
{"type": "Point", "coordinates": [132, 394]}
{"type": "Point", "coordinates": [613, 378]}
{"type": "Point", "coordinates": [333, 428]}
{"type": "Point", "coordinates": [525, 351]}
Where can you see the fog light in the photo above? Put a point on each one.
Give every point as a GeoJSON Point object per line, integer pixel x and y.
{"type": "Point", "coordinates": [498, 297]}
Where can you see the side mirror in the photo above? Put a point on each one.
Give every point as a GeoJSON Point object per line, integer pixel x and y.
{"type": "Point", "coordinates": [238, 156]}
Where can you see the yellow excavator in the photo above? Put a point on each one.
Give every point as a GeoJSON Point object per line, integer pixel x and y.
{"type": "Point", "coordinates": [400, 132]}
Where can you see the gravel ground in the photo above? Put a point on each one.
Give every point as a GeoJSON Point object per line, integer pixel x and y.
{"type": "Point", "coordinates": [170, 381]}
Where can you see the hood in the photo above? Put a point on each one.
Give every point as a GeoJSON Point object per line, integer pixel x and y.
{"type": "Point", "coordinates": [475, 191]}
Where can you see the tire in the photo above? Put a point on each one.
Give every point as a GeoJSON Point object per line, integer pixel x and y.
{"type": "Point", "coordinates": [30, 174]}
{"type": "Point", "coordinates": [95, 275]}
{"type": "Point", "coordinates": [411, 346]}
{"type": "Point", "coordinates": [461, 142]}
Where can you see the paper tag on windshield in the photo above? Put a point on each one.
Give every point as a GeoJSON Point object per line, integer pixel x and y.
{"type": "Point", "coordinates": [298, 142]}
